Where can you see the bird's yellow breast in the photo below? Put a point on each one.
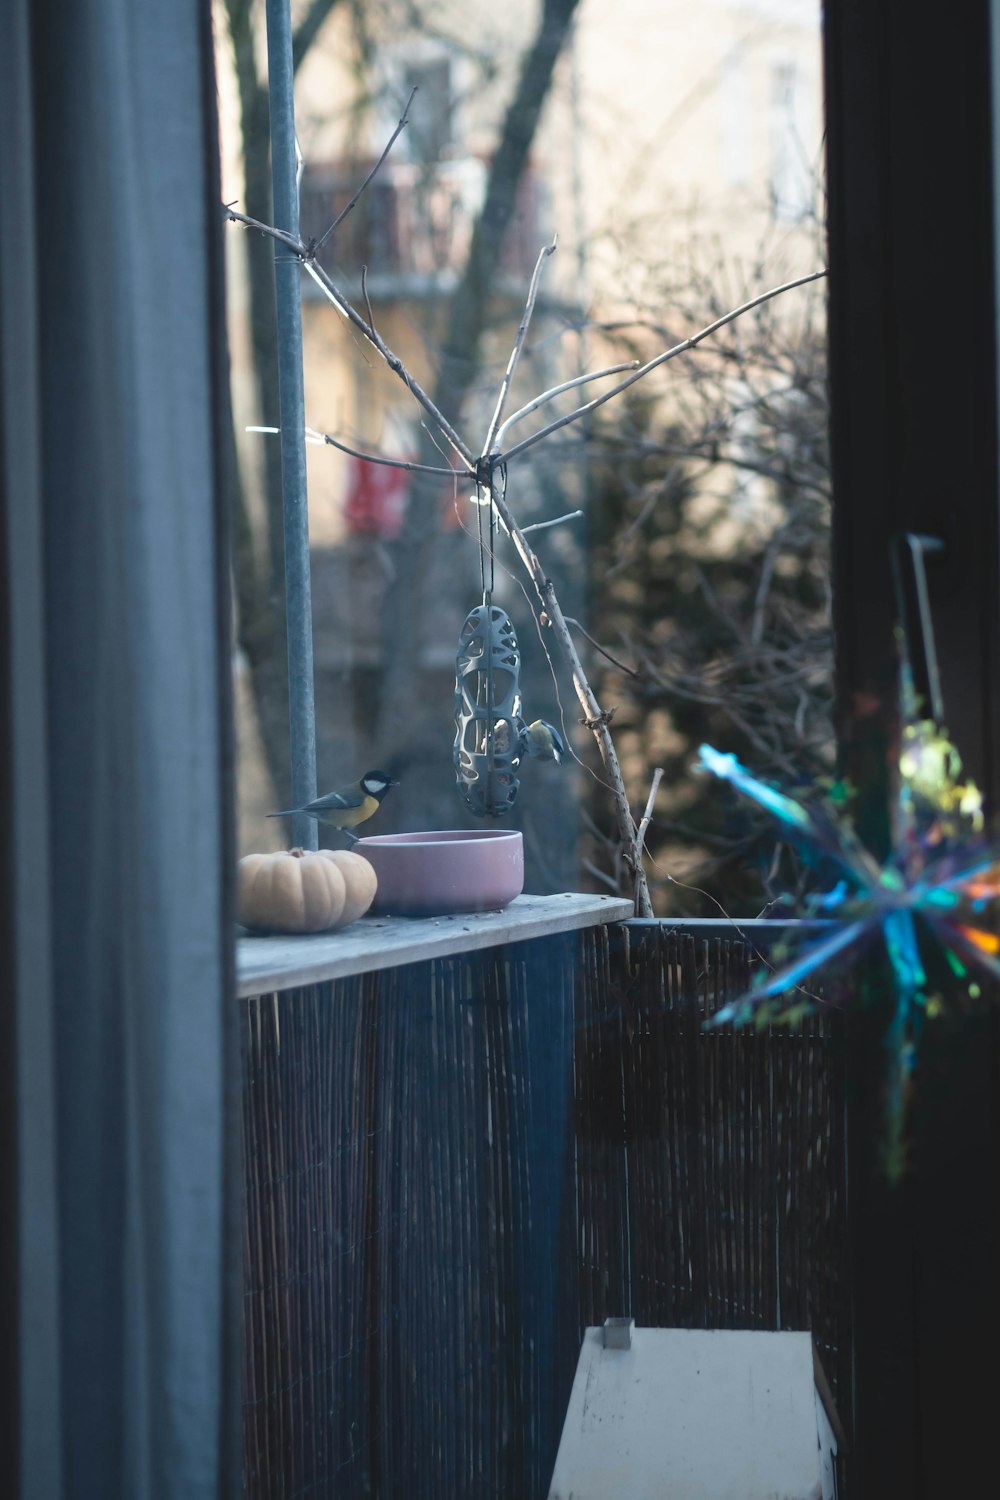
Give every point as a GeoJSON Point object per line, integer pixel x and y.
{"type": "Point", "coordinates": [349, 817]}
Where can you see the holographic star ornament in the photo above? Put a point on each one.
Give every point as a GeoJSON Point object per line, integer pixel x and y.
{"type": "Point", "coordinates": [933, 904]}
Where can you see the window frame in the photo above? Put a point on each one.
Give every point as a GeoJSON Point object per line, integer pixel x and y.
{"type": "Point", "coordinates": [913, 384]}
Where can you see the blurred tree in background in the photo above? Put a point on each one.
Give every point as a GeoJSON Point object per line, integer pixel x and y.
{"type": "Point", "coordinates": [709, 557]}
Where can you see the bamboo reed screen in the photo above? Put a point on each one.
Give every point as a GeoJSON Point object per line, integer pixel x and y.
{"type": "Point", "coordinates": [454, 1167]}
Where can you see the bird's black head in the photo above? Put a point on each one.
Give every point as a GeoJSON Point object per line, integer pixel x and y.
{"type": "Point", "coordinates": [377, 783]}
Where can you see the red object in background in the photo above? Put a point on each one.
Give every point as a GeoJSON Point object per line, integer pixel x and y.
{"type": "Point", "coordinates": [453, 499]}
{"type": "Point", "coordinates": [376, 499]}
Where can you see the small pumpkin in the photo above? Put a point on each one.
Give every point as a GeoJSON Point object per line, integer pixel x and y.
{"type": "Point", "coordinates": [360, 881]}
{"type": "Point", "coordinates": [303, 890]}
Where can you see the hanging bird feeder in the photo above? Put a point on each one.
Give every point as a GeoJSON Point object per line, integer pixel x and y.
{"type": "Point", "coordinates": [488, 723]}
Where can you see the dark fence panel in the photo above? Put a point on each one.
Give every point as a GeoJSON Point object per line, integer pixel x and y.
{"type": "Point", "coordinates": [709, 1164]}
{"type": "Point", "coordinates": [454, 1167]}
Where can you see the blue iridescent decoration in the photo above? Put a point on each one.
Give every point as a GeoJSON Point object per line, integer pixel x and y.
{"type": "Point", "coordinates": [941, 881]}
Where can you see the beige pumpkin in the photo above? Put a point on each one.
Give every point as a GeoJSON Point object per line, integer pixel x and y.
{"type": "Point", "coordinates": [294, 891]}
{"type": "Point", "coordinates": [360, 880]}
{"type": "Point", "coordinates": [303, 890]}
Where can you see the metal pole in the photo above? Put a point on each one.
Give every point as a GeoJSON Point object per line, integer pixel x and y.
{"type": "Point", "coordinates": [287, 291]}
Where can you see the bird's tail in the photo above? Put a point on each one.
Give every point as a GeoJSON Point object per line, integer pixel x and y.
{"type": "Point", "coordinates": [285, 812]}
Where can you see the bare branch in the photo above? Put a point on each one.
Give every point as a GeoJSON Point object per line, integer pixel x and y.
{"type": "Point", "coordinates": [311, 437]}
{"type": "Point", "coordinates": [640, 838]}
{"type": "Point", "coordinates": [364, 293]}
{"type": "Point", "coordinates": [275, 234]}
{"type": "Point", "coordinates": [783, 476]}
{"type": "Point", "coordinates": [629, 671]}
{"type": "Point", "coordinates": [395, 364]}
{"type": "Point", "coordinates": [763, 588]}
{"type": "Point", "coordinates": [403, 121]}
{"type": "Point", "coordinates": [342, 305]}
{"type": "Point", "coordinates": [307, 254]}
{"type": "Point", "coordinates": [596, 718]}
{"type": "Point", "coordinates": [515, 353]}
{"type": "Point", "coordinates": [556, 521]}
{"type": "Point", "coordinates": [395, 463]}
{"type": "Point", "coordinates": [624, 561]}
{"type": "Point", "coordinates": [557, 390]}
{"type": "Point", "coordinates": [324, 438]}
{"type": "Point", "coordinates": [661, 359]}
{"type": "Point", "coordinates": [601, 875]}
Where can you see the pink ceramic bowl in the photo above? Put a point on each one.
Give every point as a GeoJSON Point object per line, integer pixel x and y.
{"type": "Point", "coordinates": [435, 874]}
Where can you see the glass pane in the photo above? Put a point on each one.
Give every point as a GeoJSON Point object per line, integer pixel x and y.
{"type": "Point", "coordinates": [676, 155]}
{"type": "Point", "coordinates": [525, 1142]}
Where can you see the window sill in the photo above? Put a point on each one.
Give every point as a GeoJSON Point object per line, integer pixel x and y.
{"type": "Point", "coordinates": [266, 964]}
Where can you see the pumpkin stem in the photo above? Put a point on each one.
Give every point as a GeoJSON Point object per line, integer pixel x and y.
{"type": "Point", "coordinates": [297, 853]}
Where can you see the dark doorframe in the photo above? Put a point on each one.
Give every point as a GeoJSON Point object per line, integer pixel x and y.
{"type": "Point", "coordinates": [913, 359]}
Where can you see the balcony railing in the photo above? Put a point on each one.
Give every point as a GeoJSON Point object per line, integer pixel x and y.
{"type": "Point", "coordinates": [455, 1165]}
{"type": "Point", "coordinates": [413, 224]}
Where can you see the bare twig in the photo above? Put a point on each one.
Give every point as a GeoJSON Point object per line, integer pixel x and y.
{"type": "Point", "coordinates": [661, 359]}
{"type": "Point", "coordinates": [395, 463]}
{"type": "Point", "coordinates": [311, 437]}
{"type": "Point", "coordinates": [404, 120]}
{"type": "Point", "coordinates": [515, 353]}
{"type": "Point", "coordinates": [558, 390]}
{"type": "Point", "coordinates": [763, 588]}
{"type": "Point", "coordinates": [275, 234]}
{"type": "Point", "coordinates": [594, 716]}
{"type": "Point", "coordinates": [630, 671]}
{"type": "Point", "coordinates": [640, 838]}
{"type": "Point", "coordinates": [394, 362]}
{"type": "Point", "coordinates": [311, 270]}
{"type": "Point", "coordinates": [784, 475]}
{"type": "Point", "coordinates": [324, 439]}
{"type": "Point", "coordinates": [609, 848]}
{"type": "Point", "coordinates": [601, 875]}
{"type": "Point", "coordinates": [648, 506]}
{"type": "Point", "coordinates": [556, 521]}
{"type": "Point", "coordinates": [306, 254]}
{"type": "Point", "coordinates": [364, 293]}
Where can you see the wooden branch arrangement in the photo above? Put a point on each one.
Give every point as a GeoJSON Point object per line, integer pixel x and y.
{"type": "Point", "coordinates": [487, 468]}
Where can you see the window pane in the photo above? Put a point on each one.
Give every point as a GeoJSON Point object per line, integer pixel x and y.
{"type": "Point", "coordinates": [677, 156]}
{"type": "Point", "coordinates": [529, 1125]}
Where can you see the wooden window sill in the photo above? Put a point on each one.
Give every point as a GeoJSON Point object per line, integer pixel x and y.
{"type": "Point", "coordinates": [266, 964]}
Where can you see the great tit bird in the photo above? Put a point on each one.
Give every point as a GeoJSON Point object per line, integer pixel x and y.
{"type": "Point", "coordinates": [349, 806]}
{"type": "Point", "coordinates": [542, 741]}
